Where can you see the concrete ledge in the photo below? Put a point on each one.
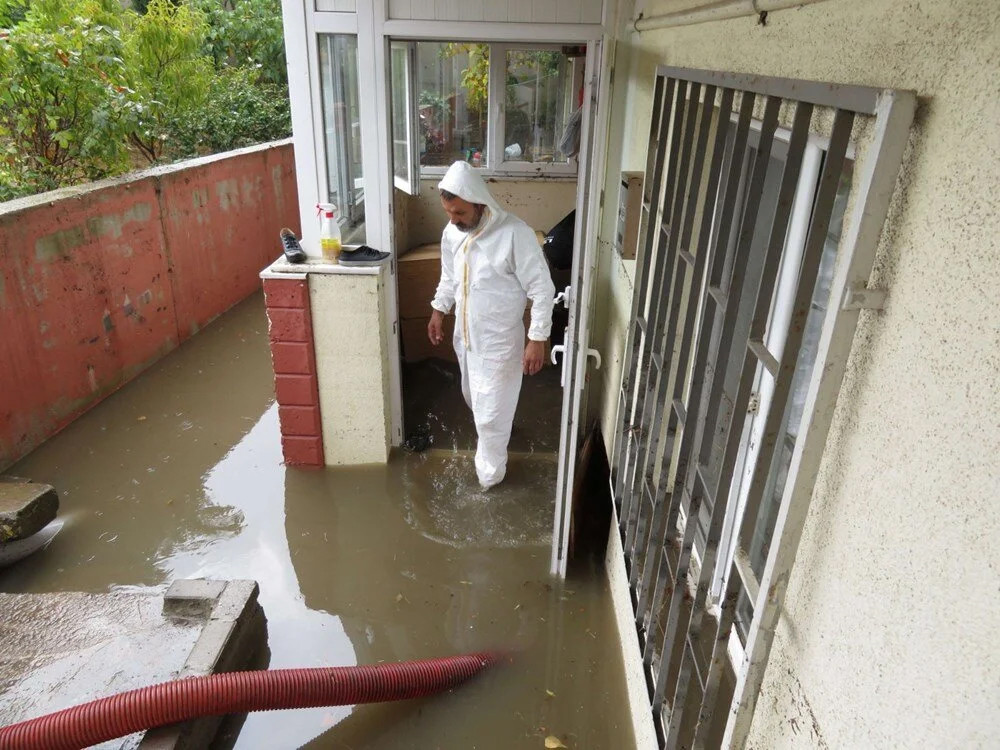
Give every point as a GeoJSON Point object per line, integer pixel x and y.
{"type": "Point", "coordinates": [127, 180]}
{"type": "Point", "coordinates": [282, 269]}
{"type": "Point", "coordinates": [234, 632]}
{"type": "Point", "coordinates": [635, 676]}
{"type": "Point", "coordinates": [65, 649]}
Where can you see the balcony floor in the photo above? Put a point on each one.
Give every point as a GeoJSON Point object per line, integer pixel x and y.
{"type": "Point", "coordinates": [179, 475]}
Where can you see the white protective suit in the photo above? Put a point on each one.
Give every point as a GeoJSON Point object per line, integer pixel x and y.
{"type": "Point", "coordinates": [488, 274]}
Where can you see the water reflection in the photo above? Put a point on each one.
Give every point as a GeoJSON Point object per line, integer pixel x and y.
{"type": "Point", "coordinates": [252, 479]}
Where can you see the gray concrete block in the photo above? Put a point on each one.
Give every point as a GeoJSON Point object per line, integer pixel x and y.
{"type": "Point", "coordinates": [25, 508]}
{"type": "Point", "coordinates": [192, 599]}
{"type": "Point", "coordinates": [237, 598]}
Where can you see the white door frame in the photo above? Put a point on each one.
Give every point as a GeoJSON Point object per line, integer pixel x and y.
{"type": "Point", "coordinates": [302, 24]}
{"type": "Point", "coordinates": [592, 161]}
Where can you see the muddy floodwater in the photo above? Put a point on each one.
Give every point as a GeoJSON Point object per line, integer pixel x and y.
{"type": "Point", "coordinates": [179, 475]}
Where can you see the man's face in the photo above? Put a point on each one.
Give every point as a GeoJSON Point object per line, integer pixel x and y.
{"type": "Point", "coordinates": [464, 215]}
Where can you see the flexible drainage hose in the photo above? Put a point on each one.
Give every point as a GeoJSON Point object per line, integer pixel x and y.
{"type": "Point", "coordinates": [239, 692]}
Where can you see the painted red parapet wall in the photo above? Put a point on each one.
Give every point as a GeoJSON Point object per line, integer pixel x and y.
{"type": "Point", "coordinates": [99, 281]}
{"type": "Point", "coordinates": [293, 356]}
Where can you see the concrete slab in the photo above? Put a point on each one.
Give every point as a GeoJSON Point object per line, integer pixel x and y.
{"type": "Point", "coordinates": [25, 508]}
{"type": "Point", "coordinates": [64, 649]}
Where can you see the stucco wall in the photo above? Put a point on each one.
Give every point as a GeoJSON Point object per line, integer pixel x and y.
{"type": "Point", "coordinates": [352, 355]}
{"type": "Point", "coordinates": [540, 203]}
{"type": "Point", "coordinates": [99, 281]}
{"type": "Point", "coordinates": [885, 639]}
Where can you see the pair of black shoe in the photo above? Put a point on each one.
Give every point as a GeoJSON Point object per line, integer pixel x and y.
{"type": "Point", "coordinates": [362, 256]}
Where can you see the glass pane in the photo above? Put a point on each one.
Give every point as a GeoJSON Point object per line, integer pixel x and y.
{"type": "Point", "coordinates": [743, 617]}
{"type": "Point", "coordinates": [747, 295]}
{"type": "Point", "coordinates": [778, 472]}
{"type": "Point", "coordinates": [338, 64]}
{"type": "Point", "coordinates": [452, 101]}
{"type": "Point", "coordinates": [399, 52]}
{"type": "Point", "coordinates": [538, 103]}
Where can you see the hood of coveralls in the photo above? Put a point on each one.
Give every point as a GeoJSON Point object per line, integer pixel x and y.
{"type": "Point", "coordinates": [462, 180]}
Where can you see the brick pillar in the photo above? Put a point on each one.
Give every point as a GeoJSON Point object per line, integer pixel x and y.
{"type": "Point", "coordinates": [294, 360]}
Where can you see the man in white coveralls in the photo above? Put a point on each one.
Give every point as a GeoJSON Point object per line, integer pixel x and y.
{"type": "Point", "coordinates": [491, 264]}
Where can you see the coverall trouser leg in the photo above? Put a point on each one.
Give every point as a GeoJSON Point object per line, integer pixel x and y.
{"type": "Point", "coordinates": [491, 389]}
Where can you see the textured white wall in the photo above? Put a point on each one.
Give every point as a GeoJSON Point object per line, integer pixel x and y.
{"type": "Point", "coordinates": [352, 366]}
{"type": "Point", "coordinates": [886, 638]}
{"type": "Point", "coordinates": [539, 203]}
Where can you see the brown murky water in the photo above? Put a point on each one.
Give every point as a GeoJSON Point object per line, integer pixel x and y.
{"type": "Point", "coordinates": [180, 475]}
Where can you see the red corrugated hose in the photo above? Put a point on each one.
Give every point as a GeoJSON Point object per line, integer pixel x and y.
{"type": "Point", "coordinates": [239, 692]}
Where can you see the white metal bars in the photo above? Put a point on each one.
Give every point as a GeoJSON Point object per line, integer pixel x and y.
{"type": "Point", "coordinates": [676, 284]}
{"type": "Point", "coordinates": [625, 434]}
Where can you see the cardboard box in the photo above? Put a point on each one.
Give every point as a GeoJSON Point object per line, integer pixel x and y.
{"type": "Point", "coordinates": [419, 272]}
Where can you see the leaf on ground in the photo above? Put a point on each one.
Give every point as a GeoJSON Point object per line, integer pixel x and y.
{"type": "Point", "coordinates": [552, 742]}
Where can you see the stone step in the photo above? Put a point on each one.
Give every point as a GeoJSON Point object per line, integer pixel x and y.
{"type": "Point", "coordinates": [25, 508]}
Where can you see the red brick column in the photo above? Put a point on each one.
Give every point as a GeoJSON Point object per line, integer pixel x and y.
{"type": "Point", "coordinates": [294, 360]}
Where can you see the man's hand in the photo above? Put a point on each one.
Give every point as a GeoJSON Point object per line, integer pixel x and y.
{"type": "Point", "coordinates": [534, 357]}
{"type": "Point", "coordinates": [435, 327]}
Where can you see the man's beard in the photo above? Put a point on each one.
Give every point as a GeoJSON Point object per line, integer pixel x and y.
{"type": "Point", "coordinates": [462, 226]}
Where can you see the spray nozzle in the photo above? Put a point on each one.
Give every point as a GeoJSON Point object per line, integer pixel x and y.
{"type": "Point", "coordinates": [328, 208]}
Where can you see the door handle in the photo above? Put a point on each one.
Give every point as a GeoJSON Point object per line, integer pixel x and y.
{"type": "Point", "coordinates": [590, 353]}
{"type": "Point", "coordinates": [563, 297]}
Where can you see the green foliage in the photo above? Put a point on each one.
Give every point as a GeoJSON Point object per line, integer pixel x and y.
{"type": "Point", "coordinates": [238, 111]}
{"type": "Point", "coordinates": [533, 63]}
{"type": "Point", "coordinates": [64, 104]}
{"type": "Point", "coordinates": [246, 33]}
{"type": "Point", "coordinates": [12, 12]}
{"type": "Point", "coordinates": [440, 107]}
{"type": "Point", "coordinates": [168, 74]}
{"type": "Point", "coordinates": [476, 76]}
{"type": "Point", "coordinates": [88, 88]}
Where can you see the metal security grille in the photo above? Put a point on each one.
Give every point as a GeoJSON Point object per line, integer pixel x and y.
{"type": "Point", "coordinates": [741, 328]}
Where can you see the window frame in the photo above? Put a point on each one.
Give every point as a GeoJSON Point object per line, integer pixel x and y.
{"type": "Point", "coordinates": [498, 112]}
{"type": "Point", "coordinates": [341, 137]}
{"type": "Point", "coordinates": [494, 165]}
{"type": "Point", "coordinates": [764, 381]}
{"type": "Point", "coordinates": [411, 183]}
{"type": "Point", "coordinates": [657, 531]}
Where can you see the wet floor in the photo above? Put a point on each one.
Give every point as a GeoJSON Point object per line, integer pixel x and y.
{"type": "Point", "coordinates": [433, 406]}
{"type": "Point", "coordinates": [179, 475]}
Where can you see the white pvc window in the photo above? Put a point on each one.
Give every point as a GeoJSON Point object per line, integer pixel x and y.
{"type": "Point", "coordinates": [451, 81]}
{"type": "Point", "coordinates": [345, 183]}
{"type": "Point", "coordinates": [405, 155]}
{"type": "Point", "coordinates": [538, 101]}
{"type": "Point", "coordinates": [777, 327]}
{"type": "Point", "coordinates": [503, 108]}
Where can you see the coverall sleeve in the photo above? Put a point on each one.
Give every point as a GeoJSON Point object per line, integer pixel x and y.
{"type": "Point", "coordinates": [444, 297]}
{"type": "Point", "coordinates": [533, 274]}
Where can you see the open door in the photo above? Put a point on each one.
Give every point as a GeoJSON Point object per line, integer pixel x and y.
{"type": "Point", "coordinates": [575, 348]}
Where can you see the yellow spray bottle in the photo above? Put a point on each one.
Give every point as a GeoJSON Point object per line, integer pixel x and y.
{"type": "Point", "coordinates": [329, 231]}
